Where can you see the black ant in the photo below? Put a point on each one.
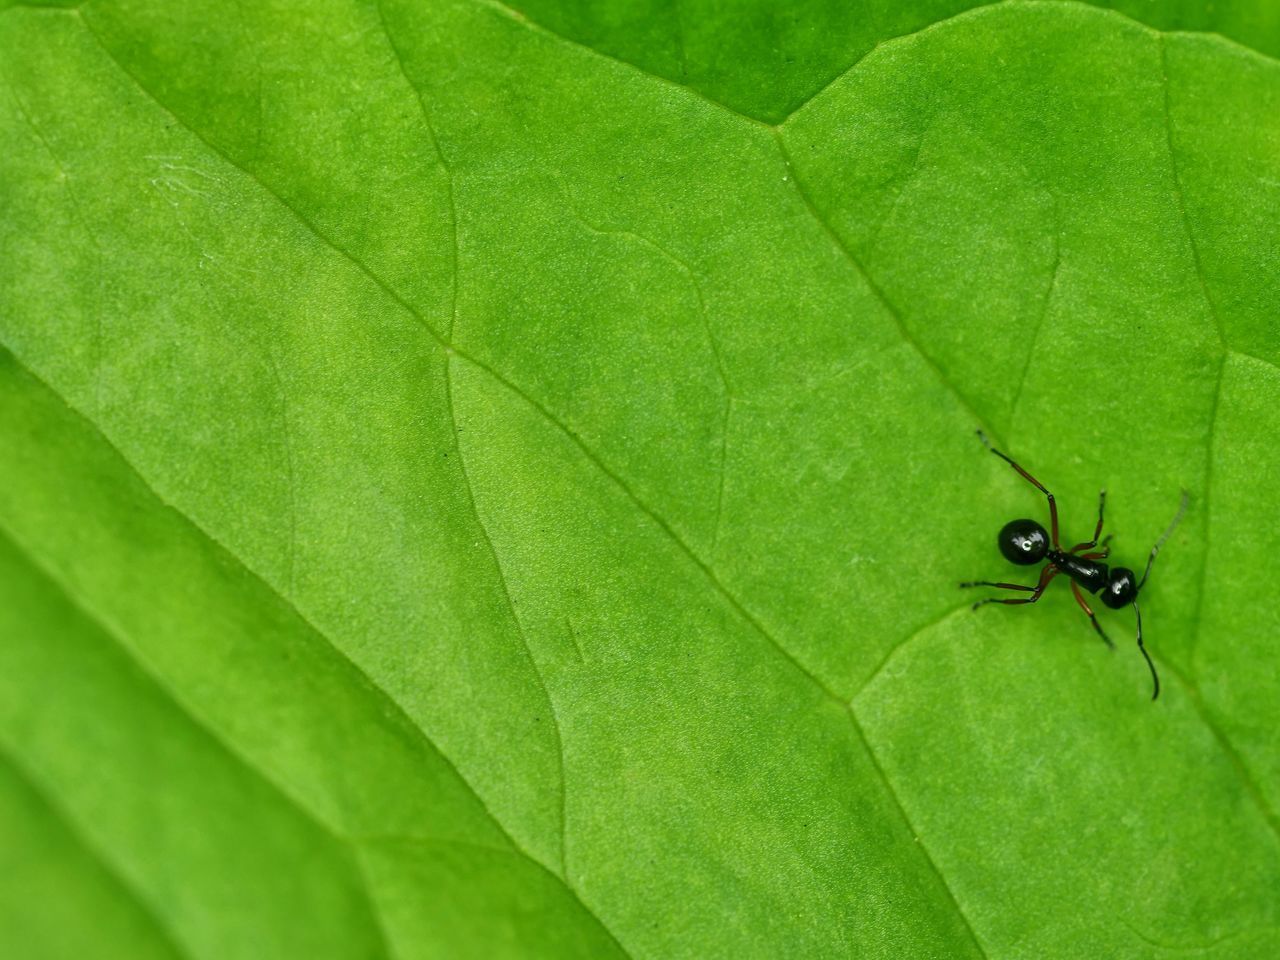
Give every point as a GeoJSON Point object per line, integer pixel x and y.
{"type": "Point", "coordinates": [1025, 542]}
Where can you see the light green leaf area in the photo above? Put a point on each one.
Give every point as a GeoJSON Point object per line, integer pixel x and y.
{"type": "Point", "coordinates": [479, 482]}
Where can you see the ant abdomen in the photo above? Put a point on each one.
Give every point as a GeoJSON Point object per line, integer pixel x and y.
{"type": "Point", "coordinates": [1023, 542]}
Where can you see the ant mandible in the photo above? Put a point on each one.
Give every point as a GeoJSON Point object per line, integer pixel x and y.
{"type": "Point", "coordinates": [1025, 542]}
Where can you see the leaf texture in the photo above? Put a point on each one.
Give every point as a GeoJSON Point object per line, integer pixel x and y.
{"type": "Point", "coordinates": [482, 481]}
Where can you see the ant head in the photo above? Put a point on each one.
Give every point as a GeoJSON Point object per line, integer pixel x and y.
{"type": "Point", "coordinates": [1121, 588]}
{"type": "Point", "coordinates": [1023, 542]}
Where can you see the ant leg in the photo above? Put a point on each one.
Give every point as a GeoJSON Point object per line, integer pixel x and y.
{"type": "Point", "coordinates": [1089, 611]}
{"type": "Point", "coordinates": [1053, 504]}
{"type": "Point", "coordinates": [1155, 679]}
{"type": "Point", "coordinates": [1050, 571]}
{"type": "Point", "coordinates": [1002, 586]}
{"type": "Point", "coordinates": [1090, 544]}
{"type": "Point", "coordinates": [1099, 554]}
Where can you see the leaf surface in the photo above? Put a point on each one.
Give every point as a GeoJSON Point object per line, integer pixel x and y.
{"type": "Point", "coordinates": [492, 482]}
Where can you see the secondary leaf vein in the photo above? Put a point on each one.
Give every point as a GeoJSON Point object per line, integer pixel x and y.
{"type": "Point", "coordinates": [469, 488]}
{"type": "Point", "coordinates": [906, 819]}
{"type": "Point", "coordinates": [533, 26]}
{"type": "Point", "coordinates": [444, 165]}
{"type": "Point", "coordinates": [892, 311]}
{"type": "Point", "coordinates": [685, 269]}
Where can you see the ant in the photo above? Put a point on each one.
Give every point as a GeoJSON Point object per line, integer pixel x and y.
{"type": "Point", "coordinates": [1025, 542]}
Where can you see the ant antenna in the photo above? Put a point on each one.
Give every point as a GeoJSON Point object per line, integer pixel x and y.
{"type": "Point", "coordinates": [1155, 679]}
{"type": "Point", "coordinates": [1182, 508]}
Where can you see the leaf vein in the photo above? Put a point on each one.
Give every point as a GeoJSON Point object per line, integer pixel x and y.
{"type": "Point", "coordinates": [1181, 197]}
{"type": "Point", "coordinates": [1274, 367]}
{"type": "Point", "coordinates": [1224, 743]}
{"type": "Point", "coordinates": [691, 277]}
{"type": "Point", "coordinates": [914, 634]}
{"type": "Point", "coordinates": [893, 312]}
{"type": "Point", "coordinates": [906, 819]}
{"type": "Point", "coordinates": [506, 593]}
{"type": "Point", "coordinates": [986, 7]}
{"type": "Point", "coordinates": [444, 165]}
{"type": "Point", "coordinates": [534, 27]}
{"type": "Point", "coordinates": [1043, 315]}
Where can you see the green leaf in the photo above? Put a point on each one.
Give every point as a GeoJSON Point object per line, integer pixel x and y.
{"type": "Point", "coordinates": [483, 482]}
